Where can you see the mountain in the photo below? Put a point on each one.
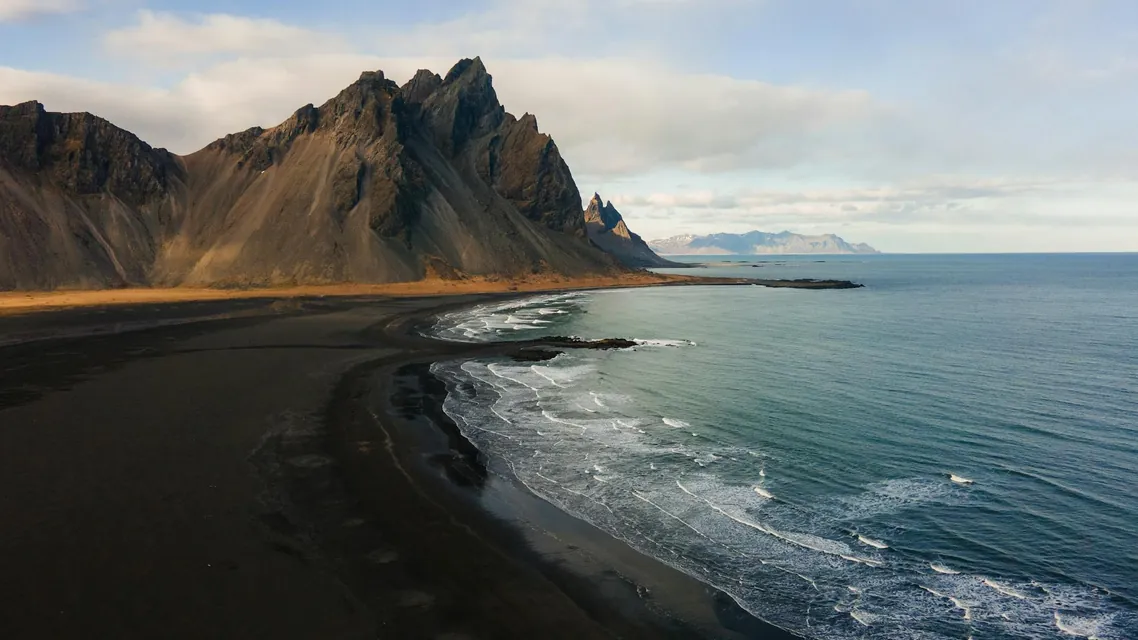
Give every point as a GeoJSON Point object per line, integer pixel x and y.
{"type": "Point", "coordinates": [381, 183]}
{"type": "Point", "coordinates": [607, 229]}
{"type": "Point", "coordinates": [756, 242]}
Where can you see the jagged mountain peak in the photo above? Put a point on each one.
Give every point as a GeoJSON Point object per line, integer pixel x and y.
{"type": "Point", "coordinates": [608, 230]}
{"type": "Point", "coordinates": [420, 86]}
{"type": "Point", "coordinates": [380, 183]}
{"type": "Point", "coordinates": [602, 211]}
{"type": "Point", "coordinates": [24, 108]}
{"type": "Point", "coordinates": [372, 86]}
{"type": "Point", "coordinates": [376, 77]}
{"type": "Point", "coordinates": [464, 106]}
{"type": "Point", "coordinates": [472, 69]}
{"type": "Point", "coordinates": [529, 121]}
{"type": "Point", "coordinates": [83, 152]}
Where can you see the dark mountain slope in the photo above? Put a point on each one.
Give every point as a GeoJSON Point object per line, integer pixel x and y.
{"type": "Point", "coordinates": [607, 230]}
{"type": "Point", "coordinates": [82, 202]}
{"type": "Point", "coordinates": [379, 184]}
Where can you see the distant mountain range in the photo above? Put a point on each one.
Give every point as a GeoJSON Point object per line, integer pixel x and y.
{"type": "Point", "coordinates": [756, 242]}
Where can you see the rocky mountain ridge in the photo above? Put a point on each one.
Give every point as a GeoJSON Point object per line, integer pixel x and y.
{"type": "Point", "coordinates": [607, 229]}
{"type": "Point", "coordinates": [381, 183]}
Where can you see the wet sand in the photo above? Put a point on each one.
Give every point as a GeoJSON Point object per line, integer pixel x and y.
{"type": "Point", "coordinates": [269, 468]}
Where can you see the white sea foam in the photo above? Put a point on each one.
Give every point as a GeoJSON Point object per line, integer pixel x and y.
{"type": "Point", "coordinates": [483, 322]}
{"type": "Point", "coordinates": [934, 592]}
{"type": "Point", "coordinates": [1007, 591]}
{"type": "Point", "coordinates": [764, 493]}
{"type": "Point", "coordinates": [891, 496]}
{"type": "Point", "coordinates": [876, 544]}
{"type": "Point", "coordinates": [1081, 627]}
{"type": "Point", "coordinates": [866, 619]}
{"type": "Point", "coordinates": [803, 540]}
{"type": "Point", "coordinates": [663, 343]}
{"type": "Point", "coordinates": [541, 372]}
{"type": "Point", "coordinates": [592, 466]}
{"type": "Point", "coordinates": [676, 424]}
{"type": "Point", "coordinates": [706, 459]}
{"type": "Point", "coordinates": [869, 562]}
{"type": "Point", "coordinates": [553, 418]}
{"type": "Point", "coordinates": [965, 610]}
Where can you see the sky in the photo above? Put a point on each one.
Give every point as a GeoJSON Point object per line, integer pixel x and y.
{"type": "Point", "coordinates": [931, 126]}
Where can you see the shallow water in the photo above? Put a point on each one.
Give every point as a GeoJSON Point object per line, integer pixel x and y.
{"type": "Point", "coordinates": [947, 453]}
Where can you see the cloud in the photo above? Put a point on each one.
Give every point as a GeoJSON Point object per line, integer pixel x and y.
{"type": "Point", "coordinates": [578, 28]}
{"type": "Point", "coordinates": [608, 116]}
{"type": "Point", "coordinates": [12, 10]}
{"type": "Point", "coordinates": [623, 116]}
{"type": "Point", "coordinates": [146, 112]}
{"type": "Point", "coordinates": [203, 106]}
{"type": "Point", "coordinates": [166, 36]}
{"type": "Point", "coordinates": [979, 201]}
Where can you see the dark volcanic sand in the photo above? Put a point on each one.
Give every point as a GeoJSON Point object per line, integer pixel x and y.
{"type": "Point", "coordinates": [283, 469]}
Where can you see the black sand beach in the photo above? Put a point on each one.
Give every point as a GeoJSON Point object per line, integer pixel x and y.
{"type": "Point", "coordinates": [282, 468]}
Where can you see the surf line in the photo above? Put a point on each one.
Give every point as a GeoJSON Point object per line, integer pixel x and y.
{"type": "Point", "coordinates": [776, 534]}
{"type": "Point", "coordinates": [637, 495]}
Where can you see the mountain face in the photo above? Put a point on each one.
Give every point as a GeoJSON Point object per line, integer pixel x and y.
{"type": "Point", "coordinates": [756, 242]}
{"type": "Point", "coordinates": [80, 200]}
{"type": "Point", "coordinates": [381, 183]}
{"type": "Point", "coordinates": [607, 229]}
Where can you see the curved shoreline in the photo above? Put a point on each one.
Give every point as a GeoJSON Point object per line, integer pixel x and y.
{"type": "Point", "coordinates": [22, 302]}
{"type": "Point", "coordinates": [702, 609]}
{"type": "Point", "coordinates": [237, 468]}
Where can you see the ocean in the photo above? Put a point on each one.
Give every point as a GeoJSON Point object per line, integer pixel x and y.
{"type": "Point", "coordinates": [949, 452]}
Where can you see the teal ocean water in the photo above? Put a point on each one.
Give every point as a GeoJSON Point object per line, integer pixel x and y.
{"type": "Point", "coordinates": [950, 452]}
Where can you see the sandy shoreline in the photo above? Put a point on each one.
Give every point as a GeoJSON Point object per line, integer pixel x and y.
{"type": "Point", "coordinates": [22, 302]}
{"type": "Point", "coordinates": [631, 594]}
{"type": "Point", "coordinates": [27, 301]}
{"type": "Point", "coordinates": [252, 468]}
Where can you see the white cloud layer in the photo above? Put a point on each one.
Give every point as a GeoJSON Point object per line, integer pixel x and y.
{"type": "Point", "coordinates": [615, 116]}
{"type": "Point", "coordinates": [167, 36]}
{"type": "Point", "coordinates": [12, 10]}
{"type": "Point", "coordinates": [977, 210]}
{"type": "Point", "coordinates": [203, 106]}
{"type": "Point", "coordinates": [519, 28]}
{"type": "Point", "coordinates": [622, 116]}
